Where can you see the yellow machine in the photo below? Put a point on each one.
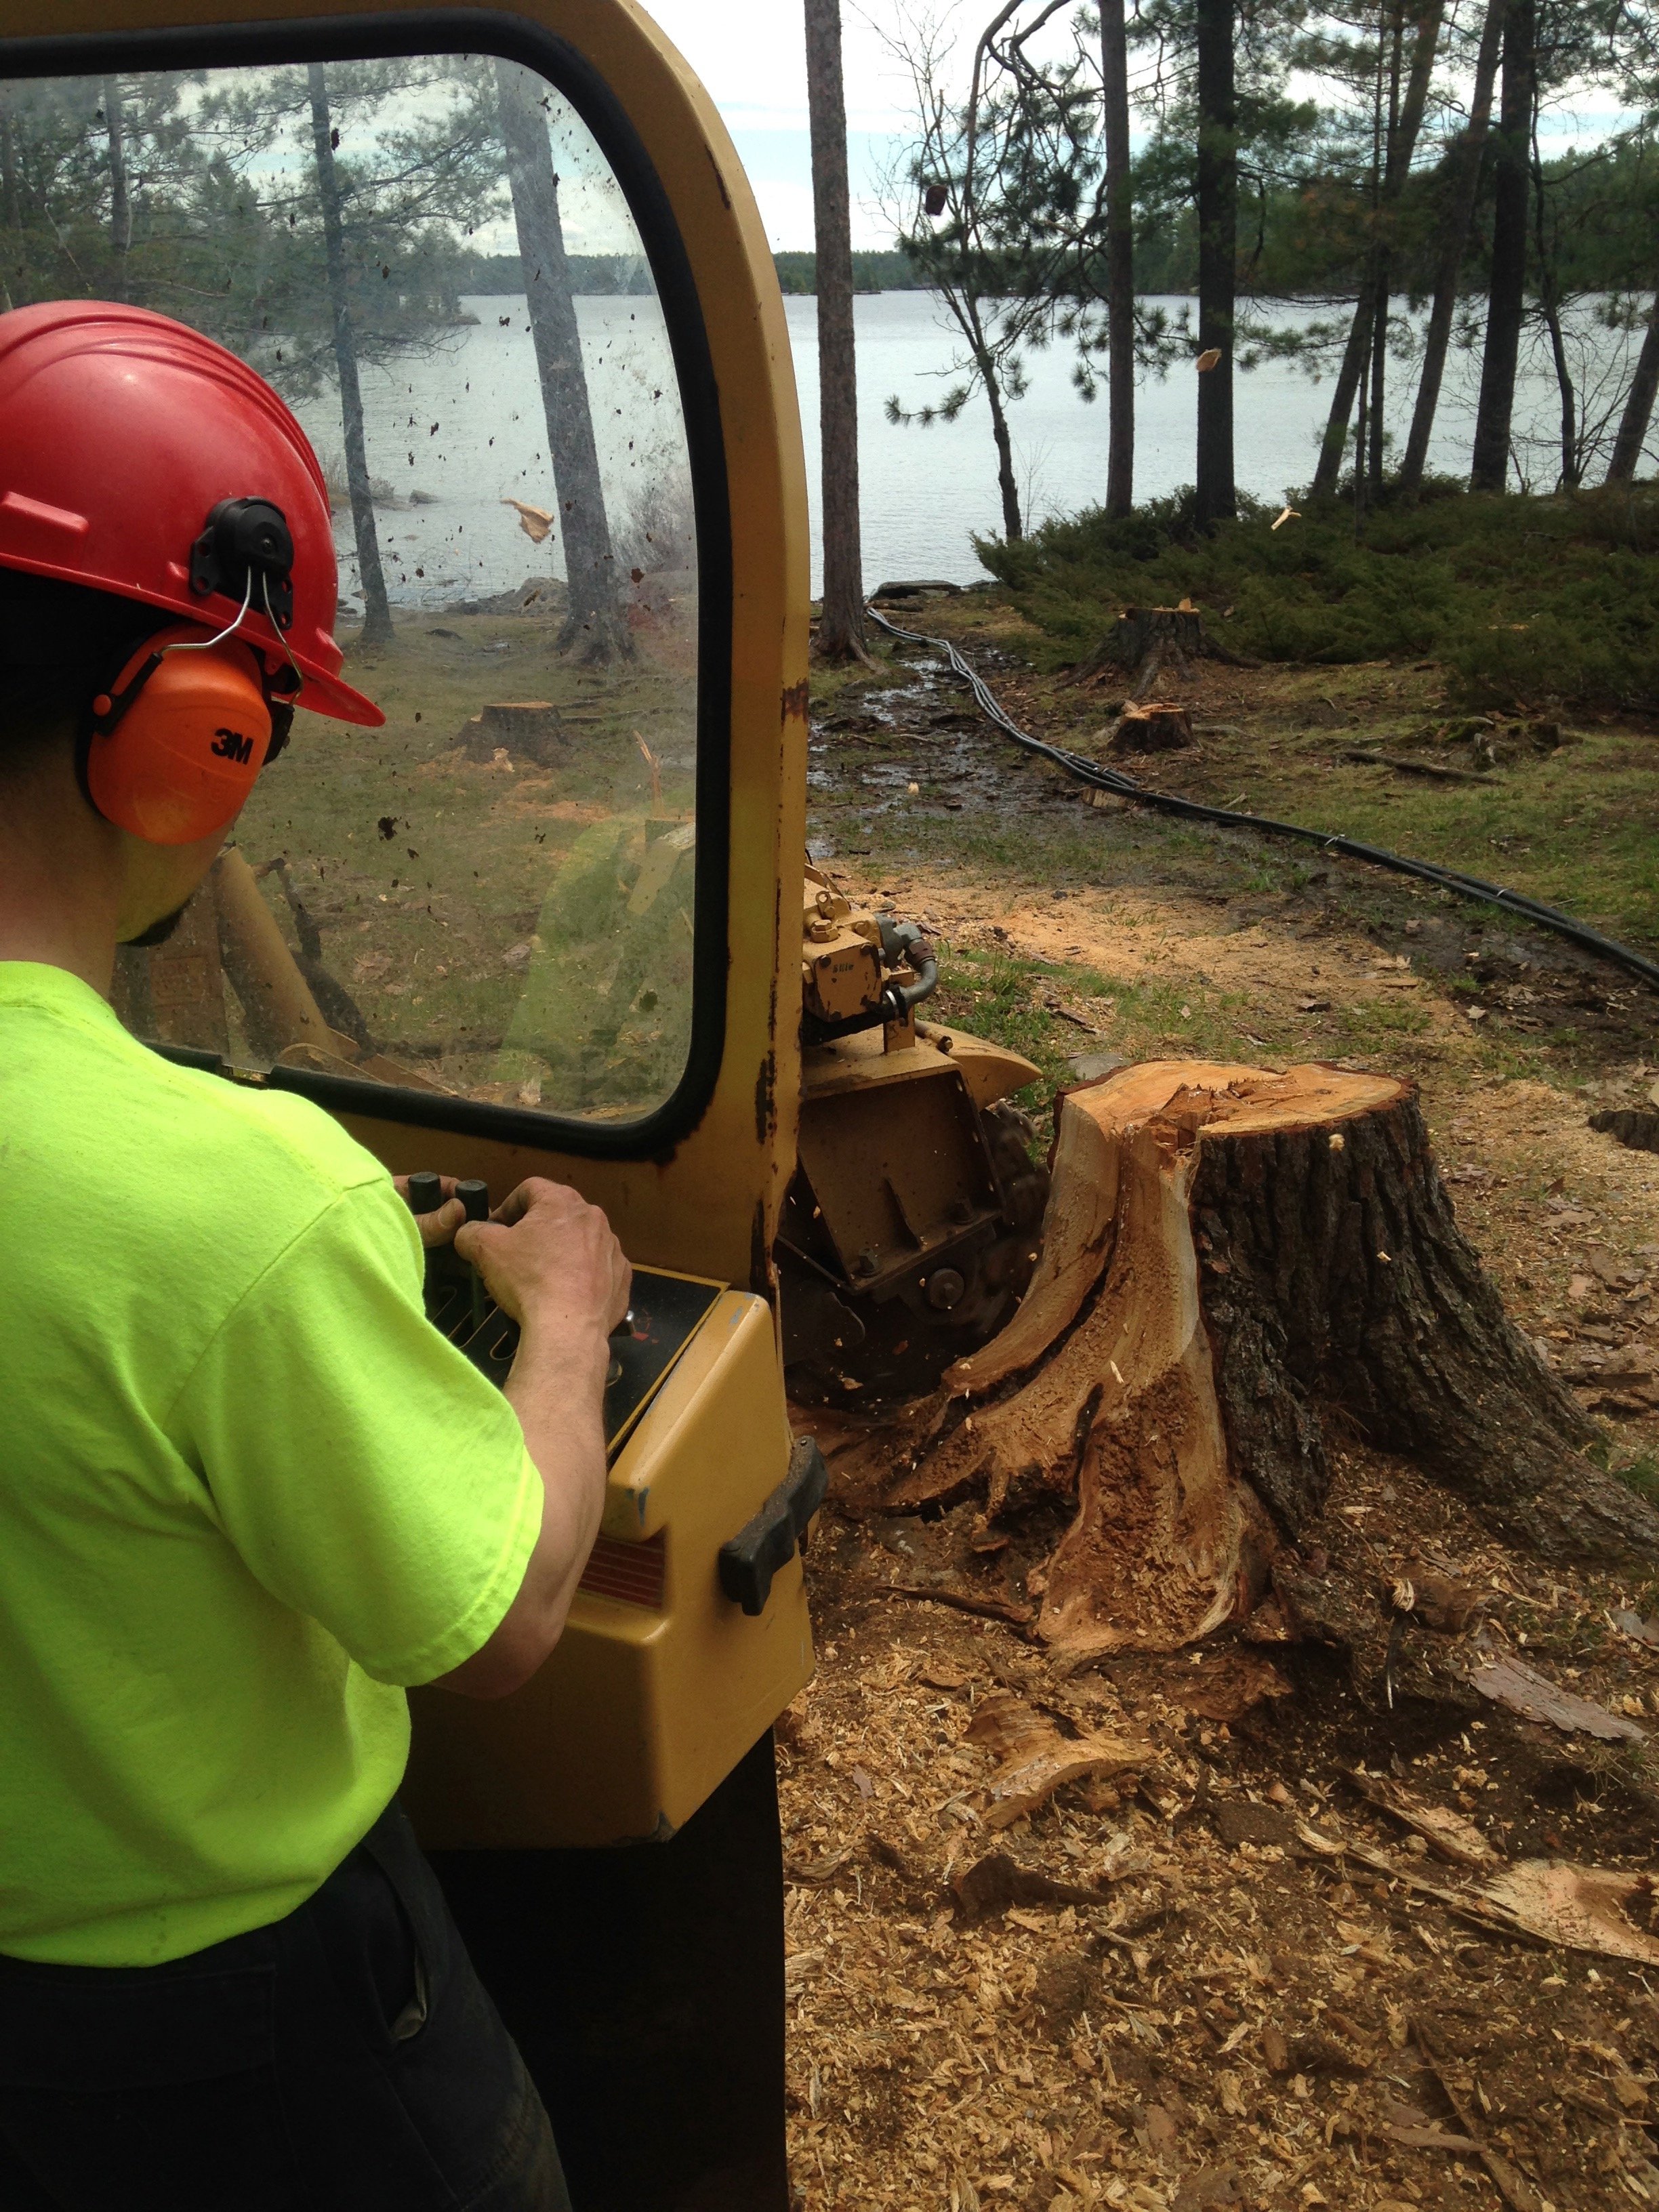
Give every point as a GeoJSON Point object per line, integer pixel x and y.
{"type": "Point", "coordinates": [505, 264]}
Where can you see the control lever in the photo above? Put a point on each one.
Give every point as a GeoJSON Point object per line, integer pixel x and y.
{"type": "Point", "coordinates": [748, 1560]}
{"type": "Point", "coordinates": [426, 1192]}
{"type": "Point", "coordinates": [474, 1197]}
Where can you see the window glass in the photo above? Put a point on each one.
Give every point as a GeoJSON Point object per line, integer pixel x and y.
{"type": "Point", "coordinates": [432, 261]}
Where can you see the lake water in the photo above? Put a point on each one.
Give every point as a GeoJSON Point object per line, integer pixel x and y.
{"type": "Point", "coordinates": [461, 429]}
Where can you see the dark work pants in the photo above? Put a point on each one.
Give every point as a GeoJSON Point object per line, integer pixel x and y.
{"type": "Point", "coordinates": [345, 2059]}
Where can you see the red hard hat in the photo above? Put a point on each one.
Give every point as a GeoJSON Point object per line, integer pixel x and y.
{"type": "Point", "coordinates": [123, 435]}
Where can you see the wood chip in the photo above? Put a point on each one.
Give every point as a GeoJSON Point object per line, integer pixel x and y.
{"type": "Point", "coordinates": [1448, 1834]}
{"type": "Point", "coordinates": [1034, 1760]}
{"type": "Point", "coordinates": [1522, 1689]}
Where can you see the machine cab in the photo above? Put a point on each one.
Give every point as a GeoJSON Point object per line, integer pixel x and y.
{"type": "Point", "coordinates": [505, 268]}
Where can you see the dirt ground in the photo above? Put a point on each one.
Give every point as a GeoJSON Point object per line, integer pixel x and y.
{"type": "Point", "coordinates": [1227, 1976]}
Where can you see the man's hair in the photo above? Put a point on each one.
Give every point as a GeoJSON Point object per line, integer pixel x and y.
{"type": "Point", "coordinates": [60, 644]}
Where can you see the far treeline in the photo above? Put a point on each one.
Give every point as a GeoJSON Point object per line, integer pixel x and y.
{"type": "Point", "coordinates": [1388, 165]}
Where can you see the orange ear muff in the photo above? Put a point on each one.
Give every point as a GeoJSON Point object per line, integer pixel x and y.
{"type": "Point", "coordinates": [178, 738]}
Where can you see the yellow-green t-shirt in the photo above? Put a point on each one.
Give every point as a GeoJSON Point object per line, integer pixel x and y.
{"type": "Point", "coordinates": [246, 1492]}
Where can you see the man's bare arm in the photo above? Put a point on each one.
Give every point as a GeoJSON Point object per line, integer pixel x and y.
{"type": "Point", "coordinates": [550, 1261]}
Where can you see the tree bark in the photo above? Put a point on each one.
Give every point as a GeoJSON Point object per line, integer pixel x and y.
{"type": "Point", "coordinates": [1638, 403]}
{"type": "Point", "coordinates": [1549, 303]}
{"type": "Point", "coordinates": [1462, 187]}
{"type": "Point", "coordinates": [1120, 263]}
{"type": "Point", "coordinates": [1372, 305]}
{"type": "Point", "coordinates": [377, 609]}
{"type": "Point", "coordinates": [120, 196]}
{"type": "Point", "coordinates": [1506, 298]}
{"type": "Point", "coordinates": [595, 626]}
{"type": "Point", "coordinates": [1007, 484]}
{"type": "Point", "coordinates": [1218, 255]}
{"type": "Point", "coordinates": [841, 625]}
{"type": "Point", "coordinates": [1230, 1260]}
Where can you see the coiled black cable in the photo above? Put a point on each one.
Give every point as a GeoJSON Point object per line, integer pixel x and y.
{"type": "Point", "coordinates": [1193, 810]}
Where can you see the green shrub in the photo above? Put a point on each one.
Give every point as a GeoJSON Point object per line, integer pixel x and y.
{"type": "Point", "coordinates": [1523, 600]}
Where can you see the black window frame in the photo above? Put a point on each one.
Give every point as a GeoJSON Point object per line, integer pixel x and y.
{"type": "Point", "coordinates": [515, 38]}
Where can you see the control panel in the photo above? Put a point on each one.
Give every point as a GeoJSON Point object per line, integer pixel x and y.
{"type": "Point", "coordinates": [689, 1633]}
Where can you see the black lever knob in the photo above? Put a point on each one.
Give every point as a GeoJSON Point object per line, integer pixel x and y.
{"type": "Point", "coordinates": [474, 1197]}
{"type": "Point", "coordinates": [426, 1192]}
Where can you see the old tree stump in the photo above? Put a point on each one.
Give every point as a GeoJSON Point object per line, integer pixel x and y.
{"type": "Point", "coordinates": [1143, 639]}
{"type": "Point", "coordinates": [1232, 1261]}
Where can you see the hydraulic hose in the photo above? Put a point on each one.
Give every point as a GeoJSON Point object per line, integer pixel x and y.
{"type": "Point", "coordinates": [1193, 810]}
{"type": "Point", "coordinates": [901, 942]}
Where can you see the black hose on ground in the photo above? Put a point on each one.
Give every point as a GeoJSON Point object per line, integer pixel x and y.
{"type": "Point", "coordinates": [1193, 810]}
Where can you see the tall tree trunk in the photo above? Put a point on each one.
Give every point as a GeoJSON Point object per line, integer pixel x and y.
{"type": "Point", "coordinates": [595, 623]}
{"type": "Point", "coordinates": [1379, 379]}
{"type": "Point", "coordinates": [120, 196]}
{"type": "Point", "coordinates": [841, 627]}
{"type": "Point", "coordinates": [1549, 301]}
{"type": "Point", "coordinates": [1461, 190]}
{"type": "Point", "coordinates": [377, 609]}
{"type": "Point", "coordinates": [1393, 169]}
{"type": "Point", "coordinates": [1217, 254]}
{"type": "Point", "coordinates": [1506, 298]}
{"type": "Point", "coordinates": [1120, 263]}
{"type": "Point", "coordinates": [1013, 528]}
{"type": "Point", "coordinates": [1638, 403]}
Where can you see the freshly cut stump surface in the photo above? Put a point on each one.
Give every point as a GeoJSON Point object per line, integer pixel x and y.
{"type": "Point", "coordinates": [1229, 1257]}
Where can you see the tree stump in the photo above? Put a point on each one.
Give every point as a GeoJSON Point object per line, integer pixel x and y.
{"type": "Point", "coordinates": [1143, 638]}
{"type": "Point", "coordinates": [530, 729]}
{"type": "Point", "coordinates": [1160, 725]}
{"type": "Point", "coordinates": [1229, 1258]}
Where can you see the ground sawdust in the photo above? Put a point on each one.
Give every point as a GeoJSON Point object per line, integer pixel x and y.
{"type": "Point", "coordinates": [1238, 2023]}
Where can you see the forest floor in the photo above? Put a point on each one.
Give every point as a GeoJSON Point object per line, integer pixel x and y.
{"type": "Point", "coordinates": [1257, 1993]}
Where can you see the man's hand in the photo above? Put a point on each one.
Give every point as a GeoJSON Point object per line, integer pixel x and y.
{"type": "Point", "coordinates": [439, 1226]}
{"type": "Point", "coordinates": [550, 1260]}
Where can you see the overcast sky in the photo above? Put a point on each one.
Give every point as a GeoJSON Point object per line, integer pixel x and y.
{"type": "Point", "coordinates": [751, 56]}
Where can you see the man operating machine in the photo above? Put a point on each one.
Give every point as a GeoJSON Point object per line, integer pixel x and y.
{"type": "Point", "coordinates": [247, 1493]}
{"type": "Point", "coordinates": [337, 1039]}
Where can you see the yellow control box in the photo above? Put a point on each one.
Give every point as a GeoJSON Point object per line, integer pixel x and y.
{"type": "Point", "coordinates": [661, 1680]}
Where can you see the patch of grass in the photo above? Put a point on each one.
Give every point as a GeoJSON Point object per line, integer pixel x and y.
{"type": "Point", "coordinates": [1523, 599]}
{"type": "Point", "coordinates": [1009, 1000]}
{"type": "Point", "coordinates": [1641, 1475]}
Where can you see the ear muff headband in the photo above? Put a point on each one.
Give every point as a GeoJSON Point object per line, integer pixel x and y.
{"type": "Point", "coordinates": [179, 737]}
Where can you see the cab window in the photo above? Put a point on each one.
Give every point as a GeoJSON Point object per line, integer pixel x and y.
{"type": "Point", "coordinates": [493, 898]}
